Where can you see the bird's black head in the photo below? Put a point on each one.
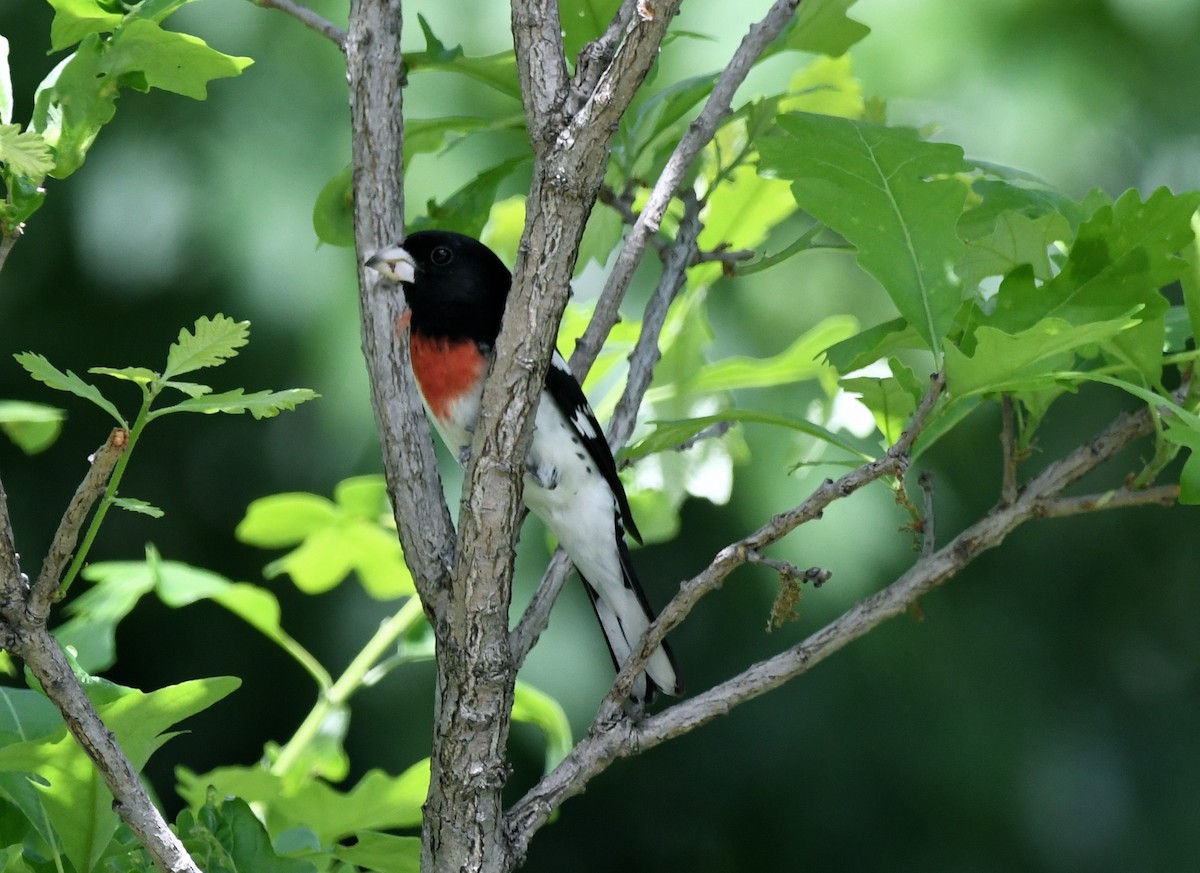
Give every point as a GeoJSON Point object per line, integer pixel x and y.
{"type": "Point", "coordinates": [455, 285]}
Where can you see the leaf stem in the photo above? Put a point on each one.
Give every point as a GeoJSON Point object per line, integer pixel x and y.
{"type": "Point", "coordinates": [110, 493]}
{"type": "Point", "coordinates": [352, 679]}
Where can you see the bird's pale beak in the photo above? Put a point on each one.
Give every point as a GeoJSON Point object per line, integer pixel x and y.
{"type": "Point", "coordinates": [394, 263]}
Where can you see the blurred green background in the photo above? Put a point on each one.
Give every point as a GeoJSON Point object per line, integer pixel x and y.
{"type": "Point", "coordinates": [1040, 715]}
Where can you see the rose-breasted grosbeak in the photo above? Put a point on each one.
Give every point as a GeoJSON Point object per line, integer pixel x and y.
{"type": "Point", "coordinates": [456, 289]}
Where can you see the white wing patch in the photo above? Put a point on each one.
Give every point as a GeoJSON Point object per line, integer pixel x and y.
{"type": "Point", "coordinates": [583, 424]}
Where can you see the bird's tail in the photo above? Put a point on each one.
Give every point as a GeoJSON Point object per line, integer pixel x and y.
{"type": "Point", "coordinates": [624, 615]}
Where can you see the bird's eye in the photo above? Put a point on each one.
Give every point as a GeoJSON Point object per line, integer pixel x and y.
{"type": "Point", "coordinates": [441, 256]}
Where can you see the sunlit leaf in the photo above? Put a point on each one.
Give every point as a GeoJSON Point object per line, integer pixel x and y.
{"type": "Point", "coordinates": [284, 519]}
{"type": "Point", "coordinates": [33, 427]}
{"type": "Point", "coordinates": [211, 343]}
{"type": "Point", "coordinates": [383, 853]}
{"type": "Point", "coordinates": [75, 798]}
{"type": "Point", "coordinates": [133, 504]}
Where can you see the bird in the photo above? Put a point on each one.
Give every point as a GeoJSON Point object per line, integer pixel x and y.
{"type": "Point", "coordinates": [456, 289]}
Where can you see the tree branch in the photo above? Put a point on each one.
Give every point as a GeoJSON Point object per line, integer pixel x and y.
{"type": "Point", "coordinates": [699, 133]}
{"type": "Point", "coordinates": [374, 64]}
{"type": "Point", "coordinates": [91, 489]}
{"type": "Point", "coordinates": [475, 667]}
{"type": "Point", "coordinates": [308, 18]}
{"type": "Point", "coordinates": [612, 737]}
{"type": "Point", "coordinates": [23, 631]}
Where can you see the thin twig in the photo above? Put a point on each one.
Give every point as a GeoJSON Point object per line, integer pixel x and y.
{"type": "Point", "coordinates": [928, 533]}
{"type": "Point", "coordinates": [1121, 498]}
{"type": "Point", "coordinates": [645, 356]}
{"type": "Point", "coordinates": [612, 737]}
{"type": "Point", "coordinates": [13, 584]}
{"type": "Point", "coordinates": [7, 241]}
{"type": "Point", "coordinates": [23, 632]}
{"type": "Point", "coordinates": [45, 590]}
{"type": "Point", "coordinates": [1008, 441]}
{"type": "Point", "coordinates": [308, 18]}
{"type": "Point", "coordinates": [893, 463]}
{"type": "Point", "coordinates": [678, 256]}
{"type": "Point", "coordinates": [699, 133]}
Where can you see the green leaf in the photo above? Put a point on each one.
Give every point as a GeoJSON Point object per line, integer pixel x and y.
{"type": "Point", "coordinates": [75, 19]}
{"type": "Point", "coordinates": [743, 209]}
{"type": "Point", "coordinates": [175, 62]}
{"type": "Point", "coordinates": [497, 71]}
{"type": "Point", "coordinates": [384, 853]}
{"type": "Point", "coordinates": [377, 801]}
{"type": "Point", "coordinates": [140, 375]}
{"type": "Point", "coordinates": [32, 426]}
{"type": "Point", "coordinates": [333, 213]}
{"type": "Point", "coordinates": [797, 363]}
{"type": "Point", "coordinates": [334, 539]}
{"type": "Point", "coordinates": [1189, 475]}
{"type": "Point", "coordinates": [992, 198]}
{"type": "Point", "coordinates": [284, 519]}
{"type": "Point", "coordinates": [1016, 240]}
{"type": "Point", "coordinates": [132, 504]}
{"type": "Point", "coordinates": [43, 371]}
{"type": "Point", "coordinates": [888, 193]}
{"type": "Point", "coordinates": [260, 404]}
{"type": "Point", "coordinates": [583, 21]}
{"type": "Point", "coordinates": [467, 209]}
{"type": "Point", "coordinates": [872, 344]}
{"type": "Point", "coordinates": [889, 399]}
{"type": "Point", "coordinates": [822, 27]}
{"type": "Point", "coordinates": [26, 153]}
{"type": "Point", "coordinates": [75, 798]}
{"type": "Point", "coordinates": [546, 714]}
{"type": "Point", "coordinates": [319, 564]}
{"type": "Point", "coordinates": [241, 841]}
{"type": "Point", "coordinates": [1189, 280]}
{"type": "Point", "coordinates": [214, 341]}
{"type": "Point", "coordinates": [191, 389]}
{"type": "Point", "coordinates": [1001, 358]}
{"type": "Point", "coordinates": [79, 96]}
{"type": "Point", "coordinates": [669, 435]}
{"type": "Point", "coordinates": [364, 497]}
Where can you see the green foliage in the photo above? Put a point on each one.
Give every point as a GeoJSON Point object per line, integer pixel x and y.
{"type": "Point", "coordinates": [1012, 288]}
{"type": "Point", "coordinates": [32, 426]}
{"type": "Point", "coordinates": [349, 534]}
{"type": "Point", "coordinates": [48, 780]}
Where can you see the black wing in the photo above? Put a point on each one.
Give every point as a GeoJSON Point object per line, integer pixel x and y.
{"type": "Point", "coordinates": [568, 397]}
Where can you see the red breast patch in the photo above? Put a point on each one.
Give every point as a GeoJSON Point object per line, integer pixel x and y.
{"type": "Point", "coordinates": [445, 369]}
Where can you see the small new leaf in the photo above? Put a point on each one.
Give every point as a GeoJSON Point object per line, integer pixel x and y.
{"type": "Point", "coordinates": [133, 504]}
{"type": "Point", "coordinates": [26, 154]}
{"type": "Point", "coordinates": [215, 341]}
{"type": "Point", "coordinates": [41, 369]}
{"type": "Point", "coordinates": [140, 375]}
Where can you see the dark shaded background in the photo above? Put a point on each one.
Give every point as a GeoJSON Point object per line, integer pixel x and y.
{"type": "Point", "coordinates": [1040, 716]}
